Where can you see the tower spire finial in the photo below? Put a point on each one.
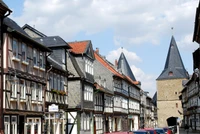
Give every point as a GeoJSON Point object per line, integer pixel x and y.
{"type": "Point", "coordinates": [122, 49]}
{"type": "Point", "coordinates": [172, 28]}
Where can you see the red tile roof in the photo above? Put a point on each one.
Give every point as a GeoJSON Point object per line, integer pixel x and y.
{"type": "Point", "coordinates": [105, 64]}
{"type": "Point", "coordinates": [78, 47]}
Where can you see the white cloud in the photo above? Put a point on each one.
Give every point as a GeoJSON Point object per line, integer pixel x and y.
{"type": "Point", "coordinates": [134, 22]}
{"type": "Point", "coordinates": [131, 57]}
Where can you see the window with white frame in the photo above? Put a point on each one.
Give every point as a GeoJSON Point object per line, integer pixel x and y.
{"type": "Point", "coordinates": [24, 52]}
{"type": "Point", "coordinates": [15, 48]}
{"type": "Point", "coordinates": [6, 124]}
{"type": "Point", "coordinates": [99, 122]}
{"type": "Point", "coordinates": [85, 121]}
{"type": "Point", "coordinates": [13, 125]}
{"type": "Point", "coordinates": [41, 59]}
{"type": "Point", "coordinates": [35, 58]}
{"type": "Point", "coordinates": [33, 91]}
{"type": "Point", "coordinates": [89, 66]}
{"type": "Point", "coordinates": [22, 88]}
{"type": "Point", "coordinates": [39, 88]}
{"type": "Point", "coordinates": [88, 93]}
{"type": "Point", "coordinates": [13, 89]}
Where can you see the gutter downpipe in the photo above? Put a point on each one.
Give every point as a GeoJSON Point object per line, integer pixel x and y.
{"type": "Point", "coordinates": [2, 74]}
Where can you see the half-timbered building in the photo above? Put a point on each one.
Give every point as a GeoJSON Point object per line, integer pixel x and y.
{"type": "Point", "coordinates": [4, 12]}
{"type": "Point", "coordinates": [56, 91]}
{"type": "Point", "coordinates": [24, 65]}
{"type": "Point", "coordinates": [81, 86]}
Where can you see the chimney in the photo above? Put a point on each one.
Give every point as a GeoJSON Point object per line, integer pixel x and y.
{"type": "Point", "coordinates": [97, 50]}
{"type": "Point", "coordinates": [116, 63]}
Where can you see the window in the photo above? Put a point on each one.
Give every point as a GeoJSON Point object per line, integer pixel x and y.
{"type": "Point", "coordinates": [13, 125]}
{"type": "Point", "coordinates": [39, 88]}
{"type": "Point", "coordinates": [15, 48]}
{"type": "Point", "coordinates": [88, 93]}
{"type": "Point", "coordinates": [35, 57]}
{"type": "Point", "coordinates": [51, 82]}
{"type": "Point", "coordinates": [85, 121]}
{"type": "Point", "coordinates": [58, 82]}
{"type": "Point", "coordinates": [7, 124]}
{"type": "Point", "coordinates": [89, 66]}
{"type": "Point", "coordinates": [41, 60]}
{"type": "Point", "coordinates": [13, 89]}
{"type": "Point", "coordinates": [24, 52]}
{"type": "Point", "coordinates": [22, 88]}
{"type": "Point", "coordinates": [55, 82]}
{"type": "Point", "coordinates": [62, 83]}
{"type": "Point", "coordinates": [33, 90]}
{"type": "Point", "coordinates": [170, 73]}
{"type": "Point", "coordinates": [63, 57]}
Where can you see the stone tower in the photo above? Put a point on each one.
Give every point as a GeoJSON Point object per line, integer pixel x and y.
{"type": "Point", "coordinates": [169, 84]}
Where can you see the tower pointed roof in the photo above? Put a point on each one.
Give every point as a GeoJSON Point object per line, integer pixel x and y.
{"type": "Point", "coordinates": [174, 67]}
{"type": "Point", "coordinates": [124, 67]}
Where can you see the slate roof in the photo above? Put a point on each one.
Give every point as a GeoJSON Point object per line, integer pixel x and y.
{"type": "Point", "coordinates": [55, 62]}
{"type": "Point", "coordinates": [4, 7]}
{"type": "Point", "coordinates": [124, 67]}
{"type": "Point", "coordinates": [12, 24]}
{"type": "Point", "coordinates": [154, 99]}
{"type": "Point", "coordinates": [14, 28]}
{"type": "Point", "coordinates": [53, 41]}
{"type": "Point", "coordinates": [34, 30]}
{"type": "Point", "coordinates": [173, 64]}
{"type": "Point", "coordinates": [79, 47]}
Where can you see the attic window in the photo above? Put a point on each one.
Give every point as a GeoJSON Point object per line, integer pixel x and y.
{"type": "Point", "coordinates": [172, 45]}
{"type": "Point", "coordinates": [170, 73]}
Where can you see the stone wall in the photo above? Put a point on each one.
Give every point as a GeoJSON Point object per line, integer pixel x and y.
{"type": "Point", "coordinates": [168, 102]}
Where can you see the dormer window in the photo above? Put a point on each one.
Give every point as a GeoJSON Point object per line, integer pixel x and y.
{"type": "Point", "coordinates": [170, 73]}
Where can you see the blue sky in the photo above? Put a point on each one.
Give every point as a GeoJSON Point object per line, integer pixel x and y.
{"type": "Point", "coordinates": [142, 28]}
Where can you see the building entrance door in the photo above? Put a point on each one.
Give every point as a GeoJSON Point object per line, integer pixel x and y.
{"type": "Point", "coordinates": [21, 124]}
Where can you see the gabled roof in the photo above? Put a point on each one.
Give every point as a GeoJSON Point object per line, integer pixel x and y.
{"type": "Point", "coordinates": [174, 67]}
{"type": "Point", "coordinates": [79, 47]}
{"type": "Point", "coordinates": [124, 67]}
{"type": "Point", "coordinates": [105, 64]}
{"type": "Point", "coordinates": [15, 29]}
{"type": "Point", "coordinates": [82, 47]}
{"type": "Point", "coordinates": [4, 8]}
{"type": "Point", "coordinates": [53, 41]}
{"type": "Point", "coordinates": [34, 30]}
{"type": "Point", "coordinates": [12, 24]}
